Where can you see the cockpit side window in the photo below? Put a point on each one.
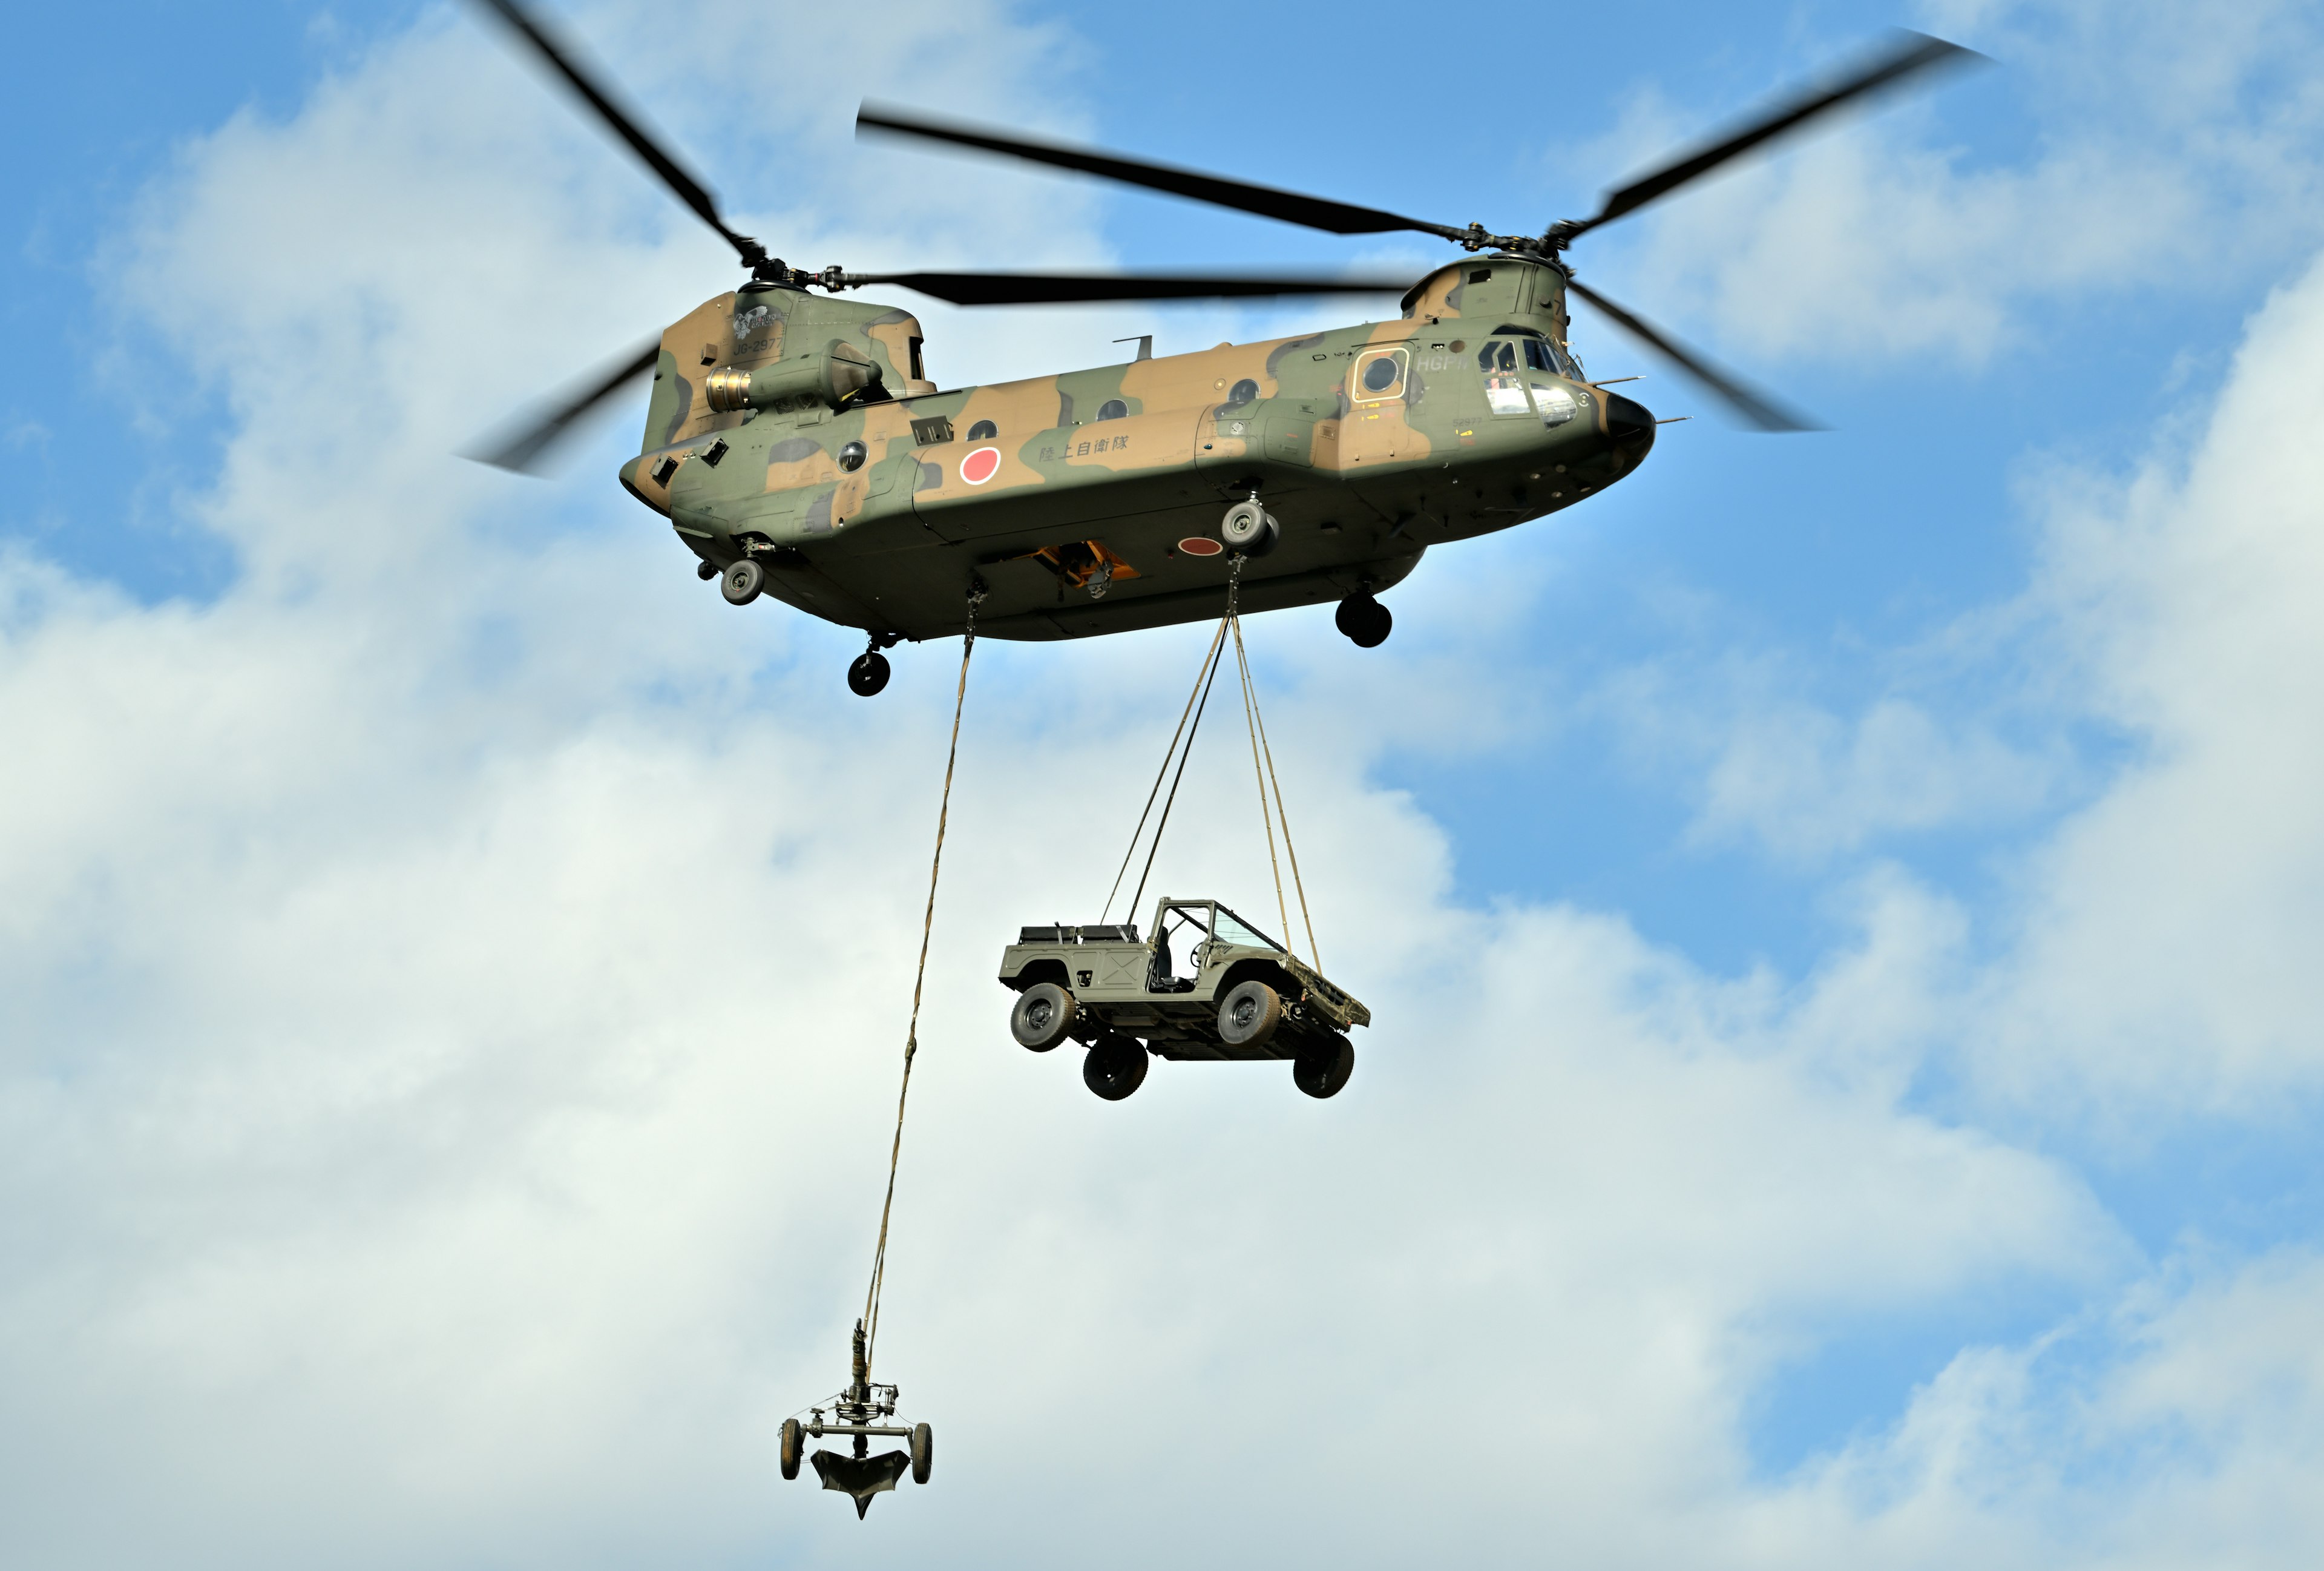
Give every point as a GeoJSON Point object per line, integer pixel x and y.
{"type": "Point", "coordinates": [1538, 356]}
{"type": "Point", "coordinates": [1498, 356]}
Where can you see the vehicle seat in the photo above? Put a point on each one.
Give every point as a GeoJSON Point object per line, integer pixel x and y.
{"type": "Point", "coordinates": [1158, 976]}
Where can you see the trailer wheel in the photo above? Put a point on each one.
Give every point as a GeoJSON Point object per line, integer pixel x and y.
{"type": "Point", "coordinates": [1322, 1068]}
{"type": "Point", "coordinates": [1116, 1066]}
{"type": "Point", "coordinates": [1249, 1015]}
{"type": "Point", "coordinates": [924, 1453]}
{"type": "Point", "coordinates": [792, 1442]}
{"type": "Point", "coordinates": [1043, 1014]}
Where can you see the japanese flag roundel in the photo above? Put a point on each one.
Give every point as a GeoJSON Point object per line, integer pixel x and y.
{"type": "Point", "coordinates": [981, 466]}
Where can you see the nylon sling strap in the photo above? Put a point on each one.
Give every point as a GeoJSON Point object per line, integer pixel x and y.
{"type": "Point", "coordinates": [919, 980]}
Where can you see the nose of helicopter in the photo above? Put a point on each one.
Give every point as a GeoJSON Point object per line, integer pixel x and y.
{"type": "Point", "coordinates": [1630, 425]}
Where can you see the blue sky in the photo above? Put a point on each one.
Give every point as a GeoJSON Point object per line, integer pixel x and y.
{"type": "Point", "coordinates": [1835, 904]}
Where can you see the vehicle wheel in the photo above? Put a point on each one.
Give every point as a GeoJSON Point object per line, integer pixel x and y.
{"type": "Point", "coordinates": [1364, 620]}
{"type": "Point", "coordinates": [742, 582]}
{"type": "Point", "coordinates": [706, 571]}
{"type": "Point", "coordinates": [1249, 1015]}
{"type": "Point", "coordinates": [1322, 1068]}
{"type": "Point", "coordinates": [1116, 1066]}
{"type": "Point", "coordinates": [924, 1453]}
{"type": "Point", "coordinates": [1249, 529]}
{"type": "Point", "coordinates": [793, 1441]}
{"type": "Point", "coordinates": [1043, 1014]}
{"type": "Point", "coordinates": [869, 674]}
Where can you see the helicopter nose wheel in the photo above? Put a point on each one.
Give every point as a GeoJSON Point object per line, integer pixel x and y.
{"type": "Point", "coordinates": [1364, 620]}
{"type": "Point", "coordinates": [741, 583]}
{"type": "Point", "coordinates": [1249, 529]}
{"type": "Point", "coordinates": [869, 674]}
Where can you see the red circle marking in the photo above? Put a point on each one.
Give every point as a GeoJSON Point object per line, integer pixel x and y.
{"type": "Point", "coordinates": [981, 466]}
{"type": "Point", "coordinates": [1200, 545]}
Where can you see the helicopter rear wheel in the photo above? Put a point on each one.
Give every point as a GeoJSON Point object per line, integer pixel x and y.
{"type": "Point", "coordinates": [1249, 529]}
{"type": "Point", "coordinates": [869, 674]}
{"type": "Point", "coordinates": [1364, 620]}
{"type": "Point", "coordinates": [741, 583]}
{"type": "Point", "coordinates": [792, 1445]}
{"type": "Point", "coordinates": [924, 1453]}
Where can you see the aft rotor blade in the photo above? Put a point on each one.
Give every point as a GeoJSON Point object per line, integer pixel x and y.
{"type": "Point", "coordinates": [1911, 54]}
{"type": "Point", "coordinates": [1267, 201]}
{"type": "Point", "coordinates": [524, 449]}
{"type": "Point", "coordinates": [624, 123]}
{"type": "Point", "coordinates": [1762, 410]}
{"type": "Point", "coordinates": [1024, 289]}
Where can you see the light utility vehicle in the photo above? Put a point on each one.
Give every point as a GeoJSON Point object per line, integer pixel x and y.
{"type": "Point", "coordinates": [1234, 993]}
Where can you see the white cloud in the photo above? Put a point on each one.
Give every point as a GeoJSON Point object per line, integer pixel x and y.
{"type": "Point", "coordinates": [2175, 146]}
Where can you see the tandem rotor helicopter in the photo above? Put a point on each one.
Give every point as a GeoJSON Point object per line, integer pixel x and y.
{"type": "Point", "coordinates": [800, 450]}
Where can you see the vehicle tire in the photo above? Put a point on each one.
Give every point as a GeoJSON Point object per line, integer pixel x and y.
{"type": "Point", "coordinates": [869, 674]}
{"type": "Point", "coordinates": [1249, 1015]}
{"type": "Point", "coordinates": [1116, 1066]}
{"type": "Point", "coordinates": [1042, 1015]}
{"type": "Point", "coordinates": [1322, 1068]}
{"type": "Point", "coordinates": [793, 1443]}
{"type": "Point", "coordinates": [1249, 529]}
{"type": "Point", "coordinates": [1365, 620]}
{"type": "Point", "coordinates": [706, 571]}
{"type": "Point", "coordinates": [924, 1453]}
{"type": "Point", "coordinates": [742, 582]}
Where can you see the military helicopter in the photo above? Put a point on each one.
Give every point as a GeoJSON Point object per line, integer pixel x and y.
{"type": "Point", "coordinates": [800, 450]}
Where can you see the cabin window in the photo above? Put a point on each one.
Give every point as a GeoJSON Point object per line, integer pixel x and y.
{"type": "Point", "coordinates": [1242, 392]}
{"type": "Point", "coordinates": [1380, 374]}
{"type": "Point", "coordinates": [983, 431]}
{"type": "Point", "coordinates": [1497, 357]}
{"type": "Point", "coordinates": [1114, 409]}
{"type": "Point", "coordinates": [852, 456]}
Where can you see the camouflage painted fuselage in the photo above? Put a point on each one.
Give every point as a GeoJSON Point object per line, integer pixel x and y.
{"type": "Point", "coordinates": [1369, 444]}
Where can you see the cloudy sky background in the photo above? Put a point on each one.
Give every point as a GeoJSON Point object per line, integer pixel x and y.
{"type": "Point", "coordinates": [1839, 910]}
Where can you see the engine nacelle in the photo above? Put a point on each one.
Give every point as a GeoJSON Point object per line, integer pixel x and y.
{"type": "Point", "coordinates": [832, 375]}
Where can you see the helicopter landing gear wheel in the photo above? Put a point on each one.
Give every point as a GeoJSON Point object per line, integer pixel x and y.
{"type": "Point", "coordinates": [1249, 529]}
{"type": "Point", "coordinates": [1364, 620]}
{"type": "Point", "coordinates": [869, 674]}
{"type": "Point", "coordinates": [1116, 1066]}
{"type": "Point", "coordinates": [792, 1441]}
{"type": "Point", "coordinates": [742, 582]}
{"type": "Point", "coordinates": [706, 571]}
{"type": "Point", "coordinates": [1321, 1069]}
{"type": "Point", "coordinates": [1043, 1014]}
{"type": "Point", "coordinates": [924, 1453]}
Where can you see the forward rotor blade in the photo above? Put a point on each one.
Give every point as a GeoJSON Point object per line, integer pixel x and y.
{"type": "Point", "coordinates": [1267, 201]}
{"type": "Point", "coordinates": [624, 123]}
{"type": "Point", "coordinates": [1022, 289]}
{"type": "Point", "coordinates": [1910, 54]}
{"type": "Point", "coordinates": [1760, 409]}
{"type": "Point", "coordinates": [523, 448]}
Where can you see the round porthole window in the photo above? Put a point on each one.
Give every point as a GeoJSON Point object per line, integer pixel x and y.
{"type": "Point", "coordinates": [852, 456]}
{"type": "Point", "coordinates": [1380, 374]}
{"type": "Point", "coordinates": [1242, 392]}
{"type": "Point", "coordinates": [1112, 408]}
{"type": "Point", "coordinates": [983, 431]}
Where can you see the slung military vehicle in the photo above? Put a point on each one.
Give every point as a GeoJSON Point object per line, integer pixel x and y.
{"type": "Point", "coordinates": [799, 448]}
{"type": "Point", "coordinates": [1235, 993]}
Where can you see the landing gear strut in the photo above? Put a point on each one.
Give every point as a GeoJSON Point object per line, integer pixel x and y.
{"type": "Point", "coordinates": [1364, 620]}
